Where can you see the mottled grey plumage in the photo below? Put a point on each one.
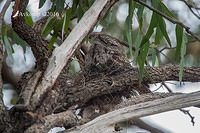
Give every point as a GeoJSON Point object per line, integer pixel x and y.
{"type": "Point", "coordinates": [106, 56]}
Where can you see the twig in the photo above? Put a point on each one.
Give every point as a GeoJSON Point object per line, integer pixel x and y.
{"type": "Point", "coordinates": [190, 7]}
{"type": "Point", "coordinates": [188, 113]}
{"type": "Point", "coordinates": [164, 84]}
{"type": "Point", "coordinates": [170, 19]}
{"type": "Point", "coordinates": [182, 110]}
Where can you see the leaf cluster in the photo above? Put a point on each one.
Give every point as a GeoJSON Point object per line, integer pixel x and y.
{"type": "Point", "coordinates": [60, 23]}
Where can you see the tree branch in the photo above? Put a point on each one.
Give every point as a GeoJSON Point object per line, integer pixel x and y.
{"type": "Point", "coordinates": [139, 110]}
{"type": "Point", "coordinates": [126, 81]}
{"type": "Point", "coordinates": [170, 19]}
{"type": "Point", "coordinates": [3, 110]}
{"type": "Point", "coordinates": [62, 54]}
{"type": "Point", "coordinates": [64, 119]}
{"type": "Point", "coordinates": [190, 7]}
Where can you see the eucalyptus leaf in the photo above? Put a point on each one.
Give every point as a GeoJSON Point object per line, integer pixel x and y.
{"type": "Point", "coordinates": [137, 47]}
{"type": "Point", "coordinates": [52, 41]}
{"type": "Point", "coordinates": [19, 41]}
{"type": "Point", "coordinates": [162, 27]}
{"type": "Point", "coordinates": [129, 25]}
{"type": "Point", "coordinates": [7, 44]}
{"type": "Point", "coordinates": [68, 15]}
{"type": "Point", "coordinates": [165, 10]}
{"type": "Point", "coordinates": [41, 3]}
{"type": "Point", "coordinates": [141, 59]}
{"type": "Point", "coordinates": [74, 7]}
{"type": "Point", "coordinates": [59, 6]}
{"type": "Point", "coordinates": [153, 51]}
{"type": "Point", "coordinates": [80, 12]}
{"type": "Point", "coordinates": [158, 36]}
{"type": "Point", "coordinates": [153, 24]}
{"type": "Point", "coordinates": [28, 18]}
{"type": "Point", "coordinates": [179, 38]}
{"type": "Point", "coordinates": [183, 52]}
{"type": "Point", "coordinates": [155, 3]}
{"type": "Point", "coordinates": [51, 22]}
{"type": "Point", "coordinates": [128, 33]}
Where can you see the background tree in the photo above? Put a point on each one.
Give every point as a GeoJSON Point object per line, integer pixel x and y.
{"type": "Point", "coordinates": [105, 75]}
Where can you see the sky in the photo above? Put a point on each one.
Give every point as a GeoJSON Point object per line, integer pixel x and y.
{"type": "Point", "coordinates": [173, 121]}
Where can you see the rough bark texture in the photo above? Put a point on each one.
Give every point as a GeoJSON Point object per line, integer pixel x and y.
{"type": "Point", "coordinates": [125, 82]}
{"type": "Point", "coordinates": [38, 45]}
{"type": "Point", "coordinates": [49, 89]}
{"type": "Point", "coordinates": [149, 107]}
{"type": "Point", "coordinates": [4, 121]}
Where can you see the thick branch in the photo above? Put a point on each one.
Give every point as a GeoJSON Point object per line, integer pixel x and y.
{"type": "Point", "coordinates": [139, 110]}
{"type": "Point", "coordinates": [38, 45]}
{"type": "Point", "coordinates": [64, 119]}
{"type": "Point", "coordinates": [126, 81]}
{"type": "Point", "coordinates": [62, 54]}
{"type": "Point", "coordinates": [3, 109]}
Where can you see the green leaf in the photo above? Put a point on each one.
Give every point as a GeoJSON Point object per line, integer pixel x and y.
{"type": "Point", "coordinates": [19, 41]}
{"type": "Point", "coordinates": [59, 6]}
{"type": "Point", "coordinates": [41, 3]}
{"type": "Point", "coordinates": [155, 3]}
{"type": "Point", "coordinates": [91, 2]}
{"type": "Point", "coordinates": [149, 77]}
{"type": "Point", "coordinates": [165, 10]}
{"type": "Point", "coordinates": [141, 59]}
{"type": "Point", "coordinates": [153, 51]}
{"type": "Point", "coordinates": [140, 11]}
{"type": "Point", "coordinates": [74, 7]}
{"type": "Point", "coordinates": [131, 7]}
{"type": "Point", "coordinates": [162, 27]}
{"type": "Point", "coordinates": [67, 20]}
{"type": "Point", "coordinates": [59, 25]}
{"type": "Point", "coordinates": [140, 15]}
{"type": "Point", "coordinates": [51, 21]}
{"type": "Point", "coordinates": [129, 25]}
{"type": "Point", "coordinates": [179, 38]}
{"type": "Point", "coordinates": [183, 52]}
{"type": "Point", "coordinates": [52, 41]}
{"type": "Point", "coordinates": [28, 18]}
{"type": "Point", "coordinates": [128, 33]}
{"type": "Point", "coordinates": [87, 3]}
{"type": "Point", "coordinates": [158, 36]}
{"type": "Point", "coordinates": [153, 24]}
{"type": "Point", "coordinates": [80, 12]}
{"type": "Point", "coordinates": [7, 44]}
{"type": "Point", "coordinates": [137, 47]}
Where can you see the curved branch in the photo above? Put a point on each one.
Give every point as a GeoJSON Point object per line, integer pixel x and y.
{"type": "Point", "coordinates": [38, 45]}
{"type": "Point", "coordinates": [3, 110]}
{"type": "Point", "coordinates": [139, 110]}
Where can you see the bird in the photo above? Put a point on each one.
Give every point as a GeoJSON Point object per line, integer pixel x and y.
{"type": "Point", "coordinates": [106, 57]}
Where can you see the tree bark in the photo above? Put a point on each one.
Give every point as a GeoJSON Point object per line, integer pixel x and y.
{"type": "Point", "coordinates": [101, 123]}
{"type": "Point", "coordinates": [49, 87]}
{"type": "Point", "coordinates": [3, 111]}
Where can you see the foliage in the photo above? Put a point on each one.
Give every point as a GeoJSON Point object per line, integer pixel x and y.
{"type": "Point", "coordinates": [144, 46]}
